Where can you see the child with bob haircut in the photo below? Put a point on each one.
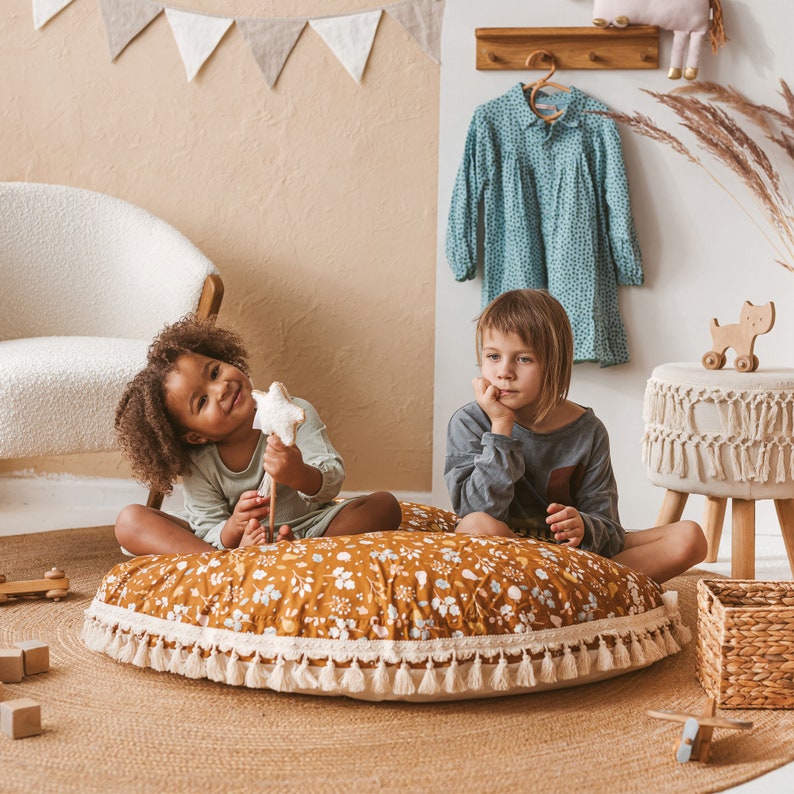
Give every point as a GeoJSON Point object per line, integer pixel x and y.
{"type": "Point", "coordinates": [189, 413]}
{"type": "Point", "coordinates": [523, 460]}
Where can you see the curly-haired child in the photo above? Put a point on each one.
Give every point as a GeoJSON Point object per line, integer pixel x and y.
{"type": "Point", "coordinates": [523, 460]}
{"type": "Point", "coordinates": [189, 413]}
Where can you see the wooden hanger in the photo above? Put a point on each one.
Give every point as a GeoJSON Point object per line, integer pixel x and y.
{"type": "Point", "coordinates": [543, 82]}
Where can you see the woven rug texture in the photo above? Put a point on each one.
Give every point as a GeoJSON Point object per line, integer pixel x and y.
{"type": "Point", "coordinates": [110, 727]}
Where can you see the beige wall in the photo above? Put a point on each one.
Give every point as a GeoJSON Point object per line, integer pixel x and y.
{"type": "Point", "coordinates": [316, 200]}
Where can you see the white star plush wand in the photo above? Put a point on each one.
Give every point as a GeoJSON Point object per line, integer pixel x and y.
{"type": "Point", "coordinates": [276, 413]}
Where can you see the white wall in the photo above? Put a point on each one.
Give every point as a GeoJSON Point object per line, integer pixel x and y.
{"type": "Point", "coordinates": [702, 256]}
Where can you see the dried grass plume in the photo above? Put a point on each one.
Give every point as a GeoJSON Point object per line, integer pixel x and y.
{"type": "Point", "coordinates": [715, 115]}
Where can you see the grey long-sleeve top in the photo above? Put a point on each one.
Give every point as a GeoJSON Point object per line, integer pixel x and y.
{"type": "Point", "coordinates": [515, 479]}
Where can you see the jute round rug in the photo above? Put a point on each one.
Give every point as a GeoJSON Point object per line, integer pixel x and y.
{"type": "Point", "coordinates": [110, 727]}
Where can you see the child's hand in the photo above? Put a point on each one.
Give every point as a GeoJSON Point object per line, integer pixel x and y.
{"type": "Point", "coordinates": [566, 524]}
{"type": "Point", "coordinates": [250, 507]}
{"type": "Point", "coordinates": [285, 465]}
{"type": "Point", "coordinates": [487, 396]}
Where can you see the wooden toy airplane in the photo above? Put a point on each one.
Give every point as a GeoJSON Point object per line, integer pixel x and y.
{"type": "Point", "coordinates": [54, 585]}
{"type": "Point", "coordinates": [695, 742]}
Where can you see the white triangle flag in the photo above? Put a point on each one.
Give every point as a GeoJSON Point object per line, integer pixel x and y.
{"type": "Point", "coordinates": [45, 10]}
{"type": "Point", "coordinates": [197, 36]}
{"type": "Point", "coordinates": [423, 20]}
{"type": "Point", "coordinates": [350, 38]}
{"type": "Point", "coordinates": [125, 19]}
{"type": "Point", "coordinates": [271, 41]}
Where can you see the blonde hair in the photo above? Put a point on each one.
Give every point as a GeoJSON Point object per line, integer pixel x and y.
{"type": "Point", "coordinates": [541, 323]}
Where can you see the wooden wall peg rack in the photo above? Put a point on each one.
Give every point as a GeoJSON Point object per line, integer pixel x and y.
{"type": "Point", "coordinates": [633, 47]}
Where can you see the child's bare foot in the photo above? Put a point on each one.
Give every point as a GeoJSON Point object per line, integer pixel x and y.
{"type": "Point", "coordinates": [284, 533]}
{"type": "Point", "coordinates": [254, 535]}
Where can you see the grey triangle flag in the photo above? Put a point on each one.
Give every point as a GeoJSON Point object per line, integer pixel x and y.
{"type": "Point", "coordinates": [423, 20]}
{"type": "Point", "coordinates": [271, 41]}
{"type": "Point", "coordinates": [125, 19]}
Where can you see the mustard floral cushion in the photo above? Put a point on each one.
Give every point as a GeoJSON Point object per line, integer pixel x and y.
{"type": "Point", "coordinates": [406, 615]}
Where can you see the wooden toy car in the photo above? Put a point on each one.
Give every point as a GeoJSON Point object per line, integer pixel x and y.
{"type": "Point", "coordinates": [753, 321]}
{"type": "Point", "coordinates": [54, 585]}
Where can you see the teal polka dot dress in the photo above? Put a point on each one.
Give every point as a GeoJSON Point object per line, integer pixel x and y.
{"type": "Point", "coordinates": [551, 203]}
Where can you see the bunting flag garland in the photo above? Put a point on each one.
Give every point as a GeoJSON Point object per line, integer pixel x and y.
{"type": "Point", "coordinates": [420, 19]}
{"type": "Point", "coordinates": [271, 40]}
{"type": "Point", "coordinates": [350, 38]}
{"type": "Point", "coordinates": [125, 19]}
{"type": "Point", "coordinates": [45, 10]}
{"type": "Point", "coordinates": [196, 37]}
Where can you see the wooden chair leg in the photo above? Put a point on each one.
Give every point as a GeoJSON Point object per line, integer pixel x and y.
{"type": "Point", "coordinates": [713, 519]}
{"type": "Point", "coordinates": [672, 508]}
{"type": "Point", "coordinates": [742, 539]}
{"type": "Point", "coordinates": [155, 499]}
{"type": "Point", "coordinates": [785, 517]}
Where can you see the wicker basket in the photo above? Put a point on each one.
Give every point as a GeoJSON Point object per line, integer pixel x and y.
{"type": "Point", "coordinates": [745, 653]}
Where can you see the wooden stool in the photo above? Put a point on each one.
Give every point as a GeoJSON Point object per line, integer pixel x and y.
{"type": "Point", "coordinates": [726, 435]}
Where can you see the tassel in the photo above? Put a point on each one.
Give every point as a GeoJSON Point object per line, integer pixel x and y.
{"type": "Point", "coordinates": [302, 676]}
{"type": "Point", "coordinates": [277, 680]}
{"type": "Point", "coordinates": [500, 680]}
{"type": "Point", "coordinates": [255, 677]}
{"type": "Point", "coordinates": [475, 674]}
{"type": "Point", "coordinates": [235, 673]}
{"type": "Point", "coordinates": [429, 683]}
{"type": "Point", "coordinates": [114, 646]}
{"type": "Point", "coordinates": [780, 469]}
{"type": "Point", "coordinates": [583, 661]}
{"type": "Point", "coordinates": [637, 653]}
{"type": "Point", "coordinates": [96, 637]}
{"type": "Point", "coordinates": [380, 678]}
{"type": "Point", "coordinates": [216, 670]}
{"type": "Point", "coordinates": [453, 681]}
{"type": "Point", "coordinates": [128, 649]}
{"type": "Point", "coordinates": [661, 645]}
{"type": "Point", "coordinates": [403, 683]}
{"type": "Point", "coordinates": [605, 661]}
{"type": "Point", "coordinates": [353, 678]}
{"type": "Point", "coordinates": [620, 654]}
{"type": "Point", "coordinates": [670, 643]}
{"type": "Point", "coordinates": [547, 674]}
{"type": "Point", "coordinates": [141, 658]}
{"type": "Point", "coordinates": [176, 665]}
{"type": "Point", "coordinates": [327, 679]}
{"type": "Point", "coordinates": [526, 672]}
{"type": "Point", "coordinates": [157, 657]}
{"type": "Point", "coordinates": [650, 649]}
{"type": "Point", "coordinates": [567, 668]}
{"type": "Point", "coordinates": [194, 664]}
{"type": "Point", "coordinates": [670, 599]}
{"type": "Point", "coordinates": [681, 633]}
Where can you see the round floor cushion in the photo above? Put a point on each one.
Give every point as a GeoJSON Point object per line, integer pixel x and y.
{"type": "Point", "coordinates": [405, 615]}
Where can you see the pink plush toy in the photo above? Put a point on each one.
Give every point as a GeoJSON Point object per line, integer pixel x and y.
{"type": "Point", "coordinates": [690, 20]}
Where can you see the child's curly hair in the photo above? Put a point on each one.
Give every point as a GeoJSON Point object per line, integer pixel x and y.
{"type": "Point", "coordinates": [148, 436]}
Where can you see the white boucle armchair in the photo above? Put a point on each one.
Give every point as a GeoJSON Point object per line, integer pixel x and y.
{"type": "Point", "coordinates": [88, 280]}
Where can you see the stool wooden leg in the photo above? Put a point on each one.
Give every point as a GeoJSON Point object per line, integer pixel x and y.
{"type": "Point", "coordinates": [672, 508]}
{"type": "Point", "coordinates": [785, 517]}
{"type": "Point", "coordinates": [742, 539]}
{"type": "Point", "coordinates": [713, 519]}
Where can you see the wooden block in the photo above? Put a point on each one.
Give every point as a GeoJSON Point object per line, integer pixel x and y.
{"type": "Point", "coordinates": [12, 665]}
{"type": "Point", "coordinates": [20, 718]}
{"type": "Point", "coordinates": [36, 656]}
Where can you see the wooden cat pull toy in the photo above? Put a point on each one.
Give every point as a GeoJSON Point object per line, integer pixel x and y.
{"type": "Point", "coordinates": [753, 321]}
{"type": "Point", "coordinates": [276, 413]}
{"type": "Point", "coordinates": [54, 585]}
{"type": "Point", "coordinates": [695, 741]}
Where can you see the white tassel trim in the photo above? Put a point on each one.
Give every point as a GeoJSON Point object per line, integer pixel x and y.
{"type": "Point", "coordinates": [399, 670]}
